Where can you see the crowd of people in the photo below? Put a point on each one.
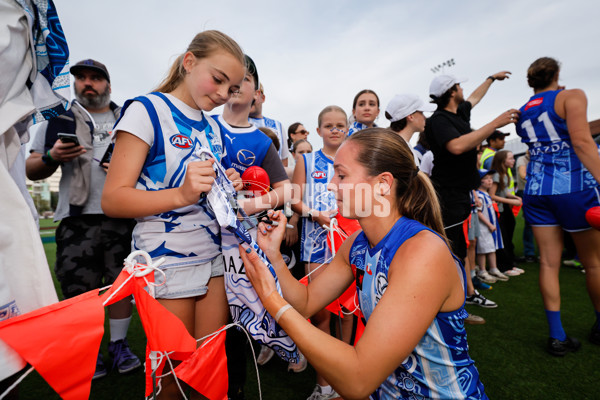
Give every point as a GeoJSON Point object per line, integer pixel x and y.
{"type": "Point", "coordinates": [445, 235]}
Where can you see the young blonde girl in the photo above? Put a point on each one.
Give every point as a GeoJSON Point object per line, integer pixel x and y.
{"type": "Point", "coordinates": [317, 205]}
{"type": "Point", "coordinates": [152, 179]}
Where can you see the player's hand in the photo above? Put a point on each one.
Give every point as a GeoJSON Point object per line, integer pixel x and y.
{"type": "Point", "coordinates": [492, 228]}
{"type": "Point", "coordinates": [507, 117]}
{"type": "Point", "coordinates": [502, 75]}
{"type": "Point", "coordinates": [199, 177]}
{"type": "Point", "coordinates": [65, 152]}
{"type": "Point", "coordinates": [269, 237]}
{"type": "Point", "coordinates": [235, 179]}
{"type": "Point", "coordinates": [261, 278]}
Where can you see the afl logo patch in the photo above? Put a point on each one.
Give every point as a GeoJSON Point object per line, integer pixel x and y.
{"type": "Point", "coordinates": [319, 175]}
{"type": "Point", "coordinates": [181, 141]}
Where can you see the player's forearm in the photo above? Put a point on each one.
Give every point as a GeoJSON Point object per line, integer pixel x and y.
{"type": "Point", "coordinates": [293, 291]}
{"type": "Point", "coordinates": [333, 359]}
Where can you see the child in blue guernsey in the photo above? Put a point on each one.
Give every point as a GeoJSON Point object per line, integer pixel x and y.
{"type": "Point", "coordinates": [490, 238]}
{"type": "Point", "coordinates": [410, 287]}
{"type": "Point", "coordinates": [317, 205]}
{"type": "Point", "coordinates": [152, 178]}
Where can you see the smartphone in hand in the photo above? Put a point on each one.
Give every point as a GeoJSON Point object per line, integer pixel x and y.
{"type": "Point", "coordinates": [68, 138]}
{"type": "Point", "coordinates": [107, 154]}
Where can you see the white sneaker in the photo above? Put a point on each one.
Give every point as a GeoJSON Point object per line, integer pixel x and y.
{"type": "Point", "coordinates": [299, 366]}
{"type": "Point", "coordinates": [265, 355]}
{"type": "Point", "coordinates": [486, 277]}
{"type": "Point", "coordinates": [318, 395]}
{"type": "Point", "coordinates": [511, 272]}
{"type": "Point", "coordinates": [496, 273]}
{"type": "Point", "coordinates": [519, 270]}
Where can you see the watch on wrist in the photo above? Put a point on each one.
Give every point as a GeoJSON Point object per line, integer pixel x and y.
{"type": "Point", "coordinates": [492, 78]}
{"type": "Point", "coordinates": [48, 160]}
{"type": "Point", "coordinates": [311, 214]}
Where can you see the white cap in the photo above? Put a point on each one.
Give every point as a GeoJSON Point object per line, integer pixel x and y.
{"type": "Point", "coordinates": [402, 105]}
{"type": "Point", "coordinates": [442, 83]}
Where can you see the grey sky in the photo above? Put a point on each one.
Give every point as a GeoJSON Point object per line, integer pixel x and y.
{"type": "Point", "coordinates": [311, 54]}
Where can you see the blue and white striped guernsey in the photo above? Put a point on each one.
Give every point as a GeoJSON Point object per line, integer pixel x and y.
{"type": "Point", "coordinates": [440, 366]}
{"type": "Point", "coordinates": [357, 126]}
{"type": "Point", "coordinates": [189, 235]}
{"type": "Point", "coordinates": [487, 208]}
{"type": "Point", "coordinates": [319, 172]}
{"type": "Point", "coordinates": [554, 167]}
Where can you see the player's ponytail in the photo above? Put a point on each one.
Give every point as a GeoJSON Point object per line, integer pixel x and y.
{"type": "Point", "coordinates": [203, 45]}
{"type": "Point", "coordinates": [382, 150]}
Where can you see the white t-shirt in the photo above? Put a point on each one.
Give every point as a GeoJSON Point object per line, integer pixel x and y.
{"type": "Point", "coordinates": [188, 235]}
{"type": "Point", "coordinates": [427, 162]}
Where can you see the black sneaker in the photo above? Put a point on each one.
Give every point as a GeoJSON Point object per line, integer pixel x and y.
{"type": "Point", "coordinates": [595, 335]}
{"type": "Point", "coordinates": [100, 368]}
{"type": "Point", "coordinates": [560, 348]}
{"type": "Point", "coordinates": [123, 358]}
{"type": "Point", "coordinates": [477, 299]}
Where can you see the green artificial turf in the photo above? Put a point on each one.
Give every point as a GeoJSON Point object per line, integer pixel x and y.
{"type": "Point", "coordinates": [508, 350]}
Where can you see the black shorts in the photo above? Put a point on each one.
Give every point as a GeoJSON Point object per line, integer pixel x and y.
{"type": "Point", "coordinates": [90, 250]}
{"type": "Point", "coordinates": [456, 208]}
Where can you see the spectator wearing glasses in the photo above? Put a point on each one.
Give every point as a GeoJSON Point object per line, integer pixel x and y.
{"type": "Point", "coordinates": [296, 131]}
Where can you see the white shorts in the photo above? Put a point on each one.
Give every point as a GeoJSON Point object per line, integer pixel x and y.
{"type": "Point", "coordinates": [485, 241]}
{"type": "Point", "coordinates": [187, 281]}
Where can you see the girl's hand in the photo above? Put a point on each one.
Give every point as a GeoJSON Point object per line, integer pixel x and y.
{"type": "Point", "coordinates": [517, 201]}
{"type": "Point", "coordinates": [323, 217]}
{"type": "Point", "coordinates": [492, 228]}
{"type": "Point", "coordinates": [291, 236]}
{"type": "Point", "coordinates": [199, 177]}
{"type": "Point", "coordinates": [261, 278]}
{"type": "Point", "coordinates": [269, 237]}
{"type": "Point", "coordinates": [235, 178]}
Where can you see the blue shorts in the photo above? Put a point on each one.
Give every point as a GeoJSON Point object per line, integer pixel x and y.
{"type": "Point", "coordinates": [564, 210]}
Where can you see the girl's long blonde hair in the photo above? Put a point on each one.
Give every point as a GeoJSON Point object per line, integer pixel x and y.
{"type": "Point", "coordinates": [203, 45]}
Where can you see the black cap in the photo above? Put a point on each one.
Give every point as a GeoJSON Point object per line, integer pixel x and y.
{"type": "Point", "coordinates": [251, 67]}
{"type": "Point", "coordinates": [91, 64]}
{"type": "Point", "coordinates": [497, 135]}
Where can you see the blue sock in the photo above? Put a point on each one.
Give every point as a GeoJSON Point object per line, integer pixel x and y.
{"type": "Point", "coordinates": [597, 319]}
{"type": "Point", "coordinates": [556, 328]}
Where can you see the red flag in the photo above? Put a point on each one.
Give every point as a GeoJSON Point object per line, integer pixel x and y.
{"type": "Point", "coordinates": [165, 332]}
{"type": "Point", "coordinates": [206, 369]}
{"type": "Point", "coordinates": [360, 328]}
{"type": "Point", "coordinates": [61, 341]}
{"type": "Point", "coordinates": [123, 292]}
